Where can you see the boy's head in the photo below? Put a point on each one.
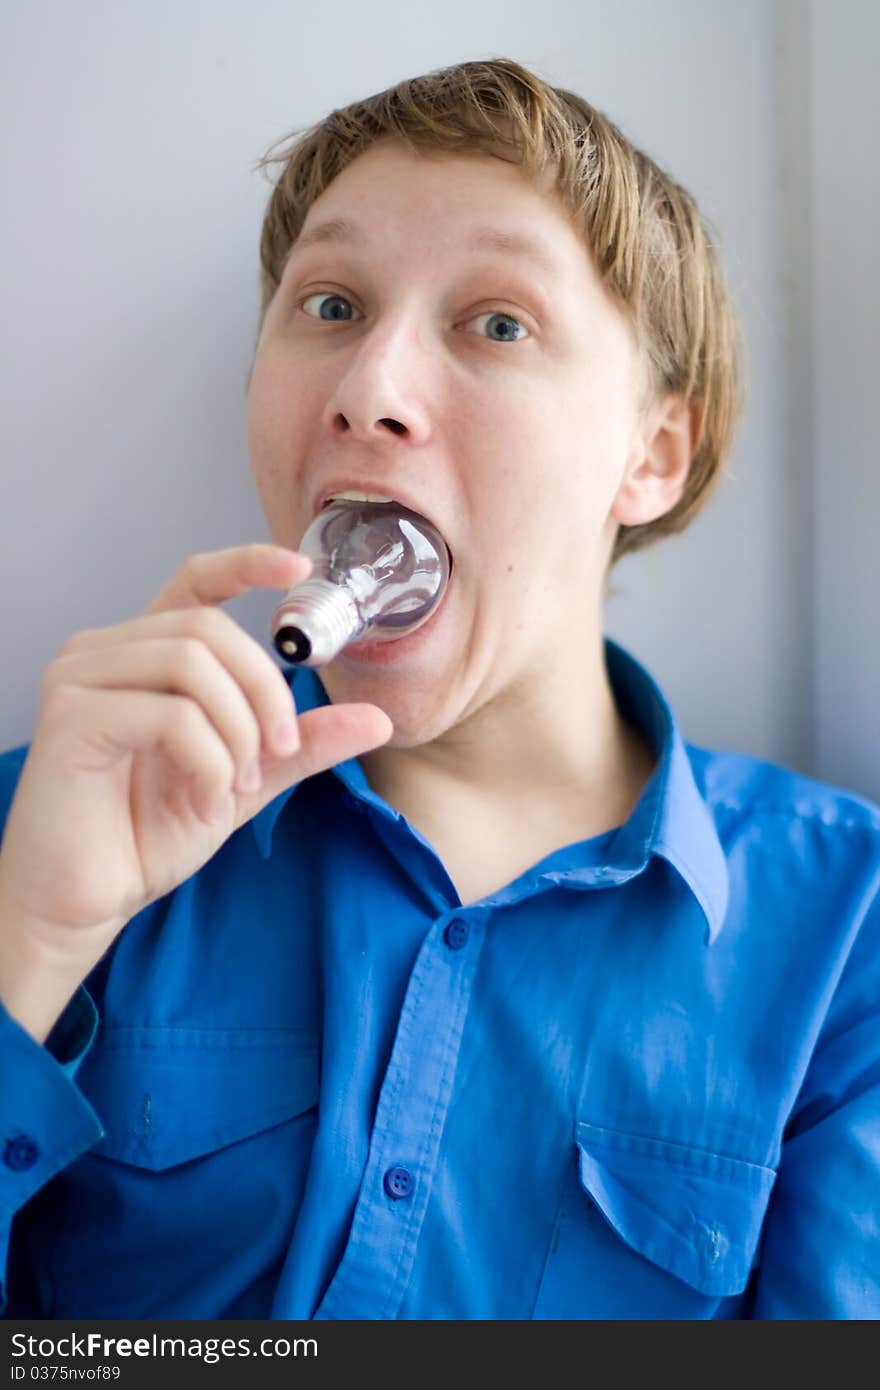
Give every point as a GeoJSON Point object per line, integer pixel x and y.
{"type": "Point", "coordinates": [549, 415]}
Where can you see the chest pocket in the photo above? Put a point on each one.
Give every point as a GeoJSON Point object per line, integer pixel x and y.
{"type": "Point", "coordinates": [648, 1228]}
{"type": "Point", "coordinates": [167, 1095]}
{"type": "Point", "coordinates": [185, 1208]}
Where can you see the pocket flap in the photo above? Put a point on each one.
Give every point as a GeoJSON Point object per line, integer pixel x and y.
{"type": "Point", "coordinates": [695, 1213]}
{"type": "Point", "coordinates": [168, 1095]}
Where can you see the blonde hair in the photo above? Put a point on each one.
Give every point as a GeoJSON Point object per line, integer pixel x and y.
{"type": "Point", "coordinates": [650, 245]}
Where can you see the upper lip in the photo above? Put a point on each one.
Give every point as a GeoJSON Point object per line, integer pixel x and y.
{"type": "Point", "coordinates": [385, 489]}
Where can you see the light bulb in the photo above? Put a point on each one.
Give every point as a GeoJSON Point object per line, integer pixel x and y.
{"type": "Point", "coordinates": [378, 571]}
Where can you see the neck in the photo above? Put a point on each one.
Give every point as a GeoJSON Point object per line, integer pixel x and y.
{"type": "Point", "coordinates": [555, 735]}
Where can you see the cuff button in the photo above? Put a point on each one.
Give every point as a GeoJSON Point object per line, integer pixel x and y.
{"type": "Point", "coordinates": [20, 1153]}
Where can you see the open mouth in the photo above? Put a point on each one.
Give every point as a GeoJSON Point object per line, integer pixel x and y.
{"type": "Point", "coordinates": [381, 499]}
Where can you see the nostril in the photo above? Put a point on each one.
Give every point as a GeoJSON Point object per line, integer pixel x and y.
{"type": "Point", "coordinates": [394, 425]}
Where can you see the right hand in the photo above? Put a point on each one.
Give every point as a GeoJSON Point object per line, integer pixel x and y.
{"type": "Point", "coordinates": [132, 779]}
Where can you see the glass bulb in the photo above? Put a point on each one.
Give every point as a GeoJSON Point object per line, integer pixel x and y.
{"type": "Point", "coordinates": [378, 571]}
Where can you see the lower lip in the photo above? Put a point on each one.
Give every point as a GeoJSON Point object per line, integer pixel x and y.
{"type": "Point", "coordinates": [382, 653]}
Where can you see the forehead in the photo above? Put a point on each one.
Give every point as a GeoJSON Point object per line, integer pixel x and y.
{"type": "Point", "coordinates": [486, 203]}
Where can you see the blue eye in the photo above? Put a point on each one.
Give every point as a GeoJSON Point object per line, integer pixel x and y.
{"type": "Point", "coordinates": [508, 334]}
{"type": "Point", "coordinates": [335, 313]}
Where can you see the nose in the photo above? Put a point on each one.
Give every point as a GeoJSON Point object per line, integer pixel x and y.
{"type": "Point", "coordinates": [381, 390]}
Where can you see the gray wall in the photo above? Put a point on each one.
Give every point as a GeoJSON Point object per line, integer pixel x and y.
{"type": "Point", "coordinates": [129, 304]}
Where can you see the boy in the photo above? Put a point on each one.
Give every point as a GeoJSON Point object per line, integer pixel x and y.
{"type": "Point", "coordinates": [471, 991]}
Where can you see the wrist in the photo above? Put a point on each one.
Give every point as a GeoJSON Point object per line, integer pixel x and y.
{"type": "Point", "coordinates": [37, 979]}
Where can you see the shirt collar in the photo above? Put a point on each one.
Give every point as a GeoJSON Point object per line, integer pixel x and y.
{"type": "Point", "coordinates": [671, 818]}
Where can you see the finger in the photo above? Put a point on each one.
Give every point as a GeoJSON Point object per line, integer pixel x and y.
{"type": "Point", "coordinates": [217, 575]}
{"type": "Point", "coordinates": [108, 724]}
{"type": "Point", "coordinates": [249, 664]}
{"type": "Point", "coordinates": [180, 666]}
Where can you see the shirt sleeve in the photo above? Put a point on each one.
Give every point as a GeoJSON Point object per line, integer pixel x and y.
{"type": "Point", "coordinates": [45, 1122]}
{"type": "Point", "coordinates": [821, 1243]}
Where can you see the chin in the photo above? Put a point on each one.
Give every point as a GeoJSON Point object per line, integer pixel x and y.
{"type": "Point", "coordinates": [416, 701]}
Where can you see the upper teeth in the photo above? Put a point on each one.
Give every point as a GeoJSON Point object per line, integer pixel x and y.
{"type": "Point", "coordinates": [358, 497]}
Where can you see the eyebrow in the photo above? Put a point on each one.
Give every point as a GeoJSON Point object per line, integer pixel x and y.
{"type": "Point", "coordinates": [340, 230]}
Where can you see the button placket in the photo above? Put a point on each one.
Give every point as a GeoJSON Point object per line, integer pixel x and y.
{"type": "Point", "coordinates": [372, 1275]}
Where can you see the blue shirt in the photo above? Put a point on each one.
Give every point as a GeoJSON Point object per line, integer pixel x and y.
{"type": "Point", "coordinates": [640, 1081]}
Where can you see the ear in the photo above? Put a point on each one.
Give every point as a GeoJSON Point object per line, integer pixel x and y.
{"type": "Point", "coordinates": [657, 469]}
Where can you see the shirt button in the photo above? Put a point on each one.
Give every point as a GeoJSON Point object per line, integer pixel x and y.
{"type": "Point", "coordinates": [456, 934]}
{"type": "Point", "coordinates": [398, 1182]}
{"type": "Point", "coordinates": [20, 1153]}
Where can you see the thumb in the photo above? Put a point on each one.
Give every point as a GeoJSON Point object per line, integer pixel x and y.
{"type": "Point", "coordinates": [329, 735]}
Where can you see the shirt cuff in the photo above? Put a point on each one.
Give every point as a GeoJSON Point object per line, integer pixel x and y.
{"type": "Point", "coordinates": [74, 1032]}
{"type": "Point", "coordinates": [45, 1121]}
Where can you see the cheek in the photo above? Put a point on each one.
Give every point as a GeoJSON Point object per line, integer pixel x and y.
{"type": "Point", "coordinates": [260, 413]}
{"type": "Point", "coordinates": [271, 401]}
{"type": "Point", "coordinates": [271, 476]}
{"type": "Point", "coordinates": [277, 422]}
{"type": "Point", "coordinates": [518, 450]}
